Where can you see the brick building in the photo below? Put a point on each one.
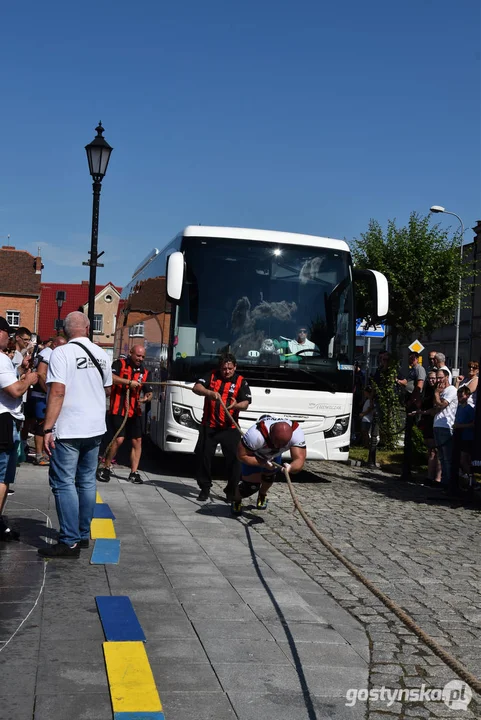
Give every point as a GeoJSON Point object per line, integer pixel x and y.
{"type": "Point", "coordinates": [20, 285]}
{"type": "Point", "coordinates": [76, 298]}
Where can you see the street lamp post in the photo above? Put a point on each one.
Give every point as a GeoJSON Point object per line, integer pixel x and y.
{"type": "Point", "coordinates": [98, 155]}
{"type": "Point", "coordinates": [440, 209]}
{"type": "Point", "coordinates": [60, 297]}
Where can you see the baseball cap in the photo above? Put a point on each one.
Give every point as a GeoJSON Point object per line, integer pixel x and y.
{"type": "Point", "coordinates": [5, 326]}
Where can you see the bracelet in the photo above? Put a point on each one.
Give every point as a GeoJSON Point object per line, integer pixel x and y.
{"type": "Point", "coordinates": [47, 432]}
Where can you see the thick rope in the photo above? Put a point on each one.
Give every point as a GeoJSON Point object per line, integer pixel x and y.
{"type": "Point", "coordinates": [450, 661]}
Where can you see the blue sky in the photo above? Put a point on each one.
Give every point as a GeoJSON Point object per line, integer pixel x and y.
{"type": "Point", "coordinates": [308, 117]}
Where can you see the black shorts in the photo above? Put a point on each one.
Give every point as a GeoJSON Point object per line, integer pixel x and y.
{"type": "Point", "coordinates": [246, 489]}
{"type": "Point", "coordinates": [132, 428]}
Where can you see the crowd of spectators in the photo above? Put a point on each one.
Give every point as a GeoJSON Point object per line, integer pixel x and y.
{"type": "Point", "coordinates": [440, 406]}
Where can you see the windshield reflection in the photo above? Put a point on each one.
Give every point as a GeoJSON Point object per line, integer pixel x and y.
{"type": "Point", "coordinates": [285, 309]}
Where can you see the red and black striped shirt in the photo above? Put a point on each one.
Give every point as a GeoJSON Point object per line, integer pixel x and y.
{"type": "Point", "coordinates": [236, 388]}
{"type": "Point", "coordinates": [125, 369]}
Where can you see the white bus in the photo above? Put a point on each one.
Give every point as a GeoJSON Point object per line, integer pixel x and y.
{"type": "Point", "coordinates": [218, 289]}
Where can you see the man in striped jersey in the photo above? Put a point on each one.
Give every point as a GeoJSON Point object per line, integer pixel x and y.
{"type": "Point", "coordinates": [217, 426]}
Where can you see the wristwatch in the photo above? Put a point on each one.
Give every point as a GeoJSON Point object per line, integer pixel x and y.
{"type": "Point", "coordinates": [46, 432]}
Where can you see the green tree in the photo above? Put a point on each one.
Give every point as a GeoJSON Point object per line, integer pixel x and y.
{"type": "Point", "coordinates": [422, 264]}
{"type": "Point", "coordinates": [390, 408]}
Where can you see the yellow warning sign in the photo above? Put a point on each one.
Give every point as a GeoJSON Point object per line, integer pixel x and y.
{"type": "Point", "coordinates": [416, 346]}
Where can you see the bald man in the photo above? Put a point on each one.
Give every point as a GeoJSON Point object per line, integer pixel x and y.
{"type": "Point", "coordinates": [128, 373]}
{"type": "Point", "coordinates": [263, 443]}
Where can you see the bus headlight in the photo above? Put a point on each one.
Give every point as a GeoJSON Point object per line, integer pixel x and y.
{"type": "Point", "coordinates": [184, 417]}
{"type": "Point", "coordinates": [339, 427]}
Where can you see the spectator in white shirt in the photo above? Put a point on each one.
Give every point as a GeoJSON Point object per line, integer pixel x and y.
{"type": "Point", "coordinates": [444, 411]}
{"type": "Point", "coordinates": [11, 391]}
{"type": "Point", "coordinates": [441, 365]}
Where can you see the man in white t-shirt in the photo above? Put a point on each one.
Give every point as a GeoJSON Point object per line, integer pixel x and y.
{"type": "Point", "coordinates": [440, 361]}
{"type": "Point", "coordinates": [11, 391]}
{"type": "Point", "coordinates": [78, 378]}
{"type": "Point", "coordinates": [301, 344]}
{"type": "Point", "coordinates": [444, 406]}
{"type": "Point", "coordinates": [264, 442]}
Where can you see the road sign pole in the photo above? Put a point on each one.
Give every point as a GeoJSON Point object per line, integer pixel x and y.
{"type": "Point", "coordinates": [368, 359]}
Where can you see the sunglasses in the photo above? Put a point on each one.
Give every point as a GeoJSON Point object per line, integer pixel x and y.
{"type": "Point", "coordinates": [472, 367]}
{"type": "Point", "coordinates": [303, 330]}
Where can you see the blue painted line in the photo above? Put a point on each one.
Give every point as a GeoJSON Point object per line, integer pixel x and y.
{"type": "Point", "coordinates": [102, 510]}
{"type": "Point", "coordinates": [139, 716]}
{"type": "Point", "coordinates": [106, 552]}
{"type": "Point", "coordinates": [118, 619]}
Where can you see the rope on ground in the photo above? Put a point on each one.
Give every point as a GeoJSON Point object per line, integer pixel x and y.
{"type": "Point", "coordinates": [450, 661]}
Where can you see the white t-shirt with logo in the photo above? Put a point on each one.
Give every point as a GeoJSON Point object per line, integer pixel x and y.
{"type": "Point", "coordinates": [8, 376]}
{"type": "Point", "coordinates": [445, 418]}
{"type": "Point", "coordinates": [83, 409]}
{"type": "Point", "coordinates": [254, 440]}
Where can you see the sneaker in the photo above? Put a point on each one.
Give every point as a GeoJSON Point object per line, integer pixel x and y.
{"type": "Point", "coordinates": [42, 460]}
{"type": "Point", "coordinates": [262, 502]}
{"type": "Point", "coordinates": [7, 534]}
{"type": "Point", "coordinates": [236, 508]}
{"type": "Point", "coordinates": [60, 550]}
{"type": "Point", "coordinates": [135, 478]}
{"type": "Point", "coordinates": [84, 544]}
{"type": "Point", "coordinates": [203, 495]}
{"type": "Point", "coordinates": [10, 490]}
{"type": "Point", "coordinates": [103, 474]}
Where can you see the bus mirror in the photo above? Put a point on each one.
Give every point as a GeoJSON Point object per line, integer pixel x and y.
{"type": "Point", "coordinates": [175, 276]}
{"type": "Point", "coordinates": [379, 290]}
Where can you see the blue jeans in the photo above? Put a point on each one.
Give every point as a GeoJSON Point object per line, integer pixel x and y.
{"type": "Point", "coordinates": [443, 437]}
{"type": "Point", "coordinates": [73, 467]}
{"type": "Point", "coordinates": [8, 460]}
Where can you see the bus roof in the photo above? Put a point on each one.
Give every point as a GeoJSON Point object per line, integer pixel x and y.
{"type": "Point", "coordinates": [264, 236]}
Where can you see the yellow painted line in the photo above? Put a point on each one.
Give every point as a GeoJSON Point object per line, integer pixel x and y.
{"type": "Point", "coordinates": [98, 499]}
{"type": "Point", "coordinates": [132, 685]}
{"type": "Point", "coordinates": [102, 528]}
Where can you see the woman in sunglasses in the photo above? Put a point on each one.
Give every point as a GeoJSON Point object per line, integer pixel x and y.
{"type": "Point", "coordinates": [470, 381]}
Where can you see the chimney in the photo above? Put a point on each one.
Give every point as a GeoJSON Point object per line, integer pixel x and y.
{"type": "Point", "coordinates": [38, 265]}
{"type": "Point", "coordinates": [8, 247]}
{"type": "Point", "coordinates": [84, 282]}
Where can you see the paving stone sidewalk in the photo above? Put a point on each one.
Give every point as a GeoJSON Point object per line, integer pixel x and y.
{"type": "Point", "coordinates": [420, 551]}
{"type": "Point", "coordinates": [235, 628]}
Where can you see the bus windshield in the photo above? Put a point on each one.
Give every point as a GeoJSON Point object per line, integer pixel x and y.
{"type": "Point", "coordinates": [285, 311]}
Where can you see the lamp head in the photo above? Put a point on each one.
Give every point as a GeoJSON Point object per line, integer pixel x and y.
{"type": "Point", "coordinates": [98, 155]}
{"type": "Point", "coordinates": [437, 209]}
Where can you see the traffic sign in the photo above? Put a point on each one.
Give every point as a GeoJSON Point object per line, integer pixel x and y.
{"type": "Point", "coordinates": [373, 331]}
{"type": "Point", "coordinates": [416, 346]}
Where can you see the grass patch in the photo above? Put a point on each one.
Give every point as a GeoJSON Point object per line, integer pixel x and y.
{"type": "Point", "coordinates": [389, 460]}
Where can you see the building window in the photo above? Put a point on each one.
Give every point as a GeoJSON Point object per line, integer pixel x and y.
{"type": "Point", "coordinates": [98, 324]}
{"type": "Point", "coordinates": [13, 318]}
{"type": "Point", "coordinates": [137, 330]}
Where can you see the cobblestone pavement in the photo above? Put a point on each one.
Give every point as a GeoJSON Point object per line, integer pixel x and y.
{"type": "Point", "coordinates": [423, 553]}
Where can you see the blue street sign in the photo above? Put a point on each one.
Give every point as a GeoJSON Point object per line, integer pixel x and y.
{"type": "Point", "coordinates": [373, 331]}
